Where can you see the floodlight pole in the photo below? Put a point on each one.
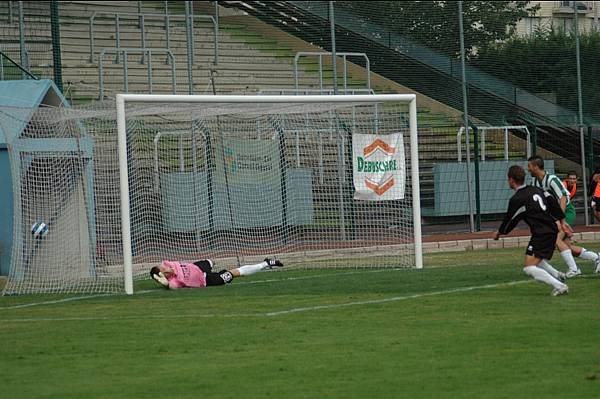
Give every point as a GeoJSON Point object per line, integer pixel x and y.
{"type": "Point", "coordinates": [581, 125]}
{"type": "Point", "coordinates": [333, 52]}
{"type": "Point", "coordinates": [56, 58]}
{"type": "Point", "coordinates": [465, 114]}
{"type": "Point", "coordinates": [189, 26]}
{"type": "Point", "coordinates": [24, 58]}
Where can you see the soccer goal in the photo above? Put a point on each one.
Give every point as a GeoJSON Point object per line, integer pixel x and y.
{"type": "Point", "coordinates": [317, 181]}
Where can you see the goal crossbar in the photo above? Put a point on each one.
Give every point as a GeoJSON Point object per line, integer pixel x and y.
{"type": "Point", "coordinates": [123, 99]}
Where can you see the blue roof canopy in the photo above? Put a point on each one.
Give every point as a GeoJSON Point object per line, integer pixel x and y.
{"type": "Point", "coordinates": [24, 97]}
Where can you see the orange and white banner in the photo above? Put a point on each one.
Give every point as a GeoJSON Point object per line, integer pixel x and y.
{"type": "Point", "coordinates": [379, 169]}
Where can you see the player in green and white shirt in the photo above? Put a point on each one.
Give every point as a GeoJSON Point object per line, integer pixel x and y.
{"type": "Point", "coordinates": [552, 184]}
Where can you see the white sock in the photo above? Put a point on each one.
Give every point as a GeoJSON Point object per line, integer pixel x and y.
{"type": "Point", "coordinates": [569, 260]}
{"type": "Point", "coordinates": [543, 276]}
{"type": "Point", "coordinates": [544, 265]}
{"type": "Point", "coordinates": [251, 269]}
{"type": "Point", "coordinates": [588, 255]}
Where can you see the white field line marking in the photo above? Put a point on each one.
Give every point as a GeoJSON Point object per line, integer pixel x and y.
{"type": "Point", "coordinates": [396, 298]}
{"type": "Point", "coordinates": [402, 298]}
{"type": "Point", "coordinates": [76, 298]}
{"type": "Point", "coordinates": [277, 313]}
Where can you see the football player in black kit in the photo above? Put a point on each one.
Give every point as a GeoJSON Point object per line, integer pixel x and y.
{"type": "Point", "coordinates": [541, 212]}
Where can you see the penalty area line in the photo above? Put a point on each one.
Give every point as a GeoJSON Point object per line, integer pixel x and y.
{"type": "Point", "coordinates": [394, 299]}
{"type": "Point", "coordinates": [403, 298]}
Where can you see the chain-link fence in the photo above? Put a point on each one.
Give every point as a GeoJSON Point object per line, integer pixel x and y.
{"type": "Point", "coordinates": [530, 68]}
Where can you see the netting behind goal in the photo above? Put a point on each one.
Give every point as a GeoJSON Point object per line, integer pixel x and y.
{"type": "Point", "coordinates": [232, 182]}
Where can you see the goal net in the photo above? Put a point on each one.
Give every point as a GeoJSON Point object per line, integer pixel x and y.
{"type": "Point", "coordinates": [317, 181]}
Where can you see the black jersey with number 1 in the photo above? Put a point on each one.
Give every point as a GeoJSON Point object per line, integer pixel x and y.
{"type": "Point", "coordinates": [534, 206]}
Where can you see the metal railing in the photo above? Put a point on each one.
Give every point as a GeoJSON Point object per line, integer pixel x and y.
{"type": "Point", "coordinates": [125, 52]}
{"type": "Point", "coordinates": [180, 135]}
{"type": "Point", "coordinates": [320, 55]}
{"type": "Point", "coordinates": [141, 17]}
{"type": "Point", "coordinates": [483, 130]}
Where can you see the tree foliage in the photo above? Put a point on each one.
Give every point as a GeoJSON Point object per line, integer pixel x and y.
{"type": "Point", "coordinates": [435, 23]}
{"type": "Point", "coordinates": [546, 63]}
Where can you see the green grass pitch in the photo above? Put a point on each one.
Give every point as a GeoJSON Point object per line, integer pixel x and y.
{"type": "Point", "coordinates": [469, 325]}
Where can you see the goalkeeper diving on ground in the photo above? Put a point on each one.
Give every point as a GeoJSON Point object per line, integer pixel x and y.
{"type": "Point", "coordinates": [199, 274]}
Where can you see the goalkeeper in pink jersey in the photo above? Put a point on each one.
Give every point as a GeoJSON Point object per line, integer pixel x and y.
{"type": "Point", "coordinates": [173, 275]}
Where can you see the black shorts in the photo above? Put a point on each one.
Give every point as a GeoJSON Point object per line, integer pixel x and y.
{"type": "Point", "coordinates": [541, 246]}
{"type": "Point", "coordinates": [221, 278]}
{"type": "Point", "coordinates": [205, 265]}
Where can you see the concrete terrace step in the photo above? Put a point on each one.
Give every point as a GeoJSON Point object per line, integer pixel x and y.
{"type": "Point", "coordinates": [120, 6]}
{"type": "Point", "coordinates": [165, 86]}
{"type": "Point", "coordinates": [159, 64]}
{"type": "Point", "coordinates": [104, 28]}
{"type": "Point", "coordinates": [182, 78]}
{"type": "Point", "coordinates": [83, 46]}
{"type": "Point", "coordinates": [178, 49]}
{"type": "Point", "coordinates": [225, 61]}
{"type": "Point", "coordinates": [160, 42]}
{"type": "Point", "coordinates": [90, 90]}
{"type": "Point", "coordinates": [105, 23]}
{"type": "Point", "coordinates": [100, 24]}
{"type": "Point", "coordinates": [134, 68]}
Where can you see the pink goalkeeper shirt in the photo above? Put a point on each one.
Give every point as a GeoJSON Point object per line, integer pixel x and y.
{"type": "Point", "coordinates": [187, 275]}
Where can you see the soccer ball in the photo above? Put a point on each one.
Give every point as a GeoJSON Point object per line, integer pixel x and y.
{"type": "Point", "coordinates": [39, 230]}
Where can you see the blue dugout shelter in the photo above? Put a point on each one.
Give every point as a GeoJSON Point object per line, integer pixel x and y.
{"type": "Point", "coordinates": [19, 100]}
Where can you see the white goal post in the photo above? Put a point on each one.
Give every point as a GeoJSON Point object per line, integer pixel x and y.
{"type": "Point", "coordinates": [122, 100]}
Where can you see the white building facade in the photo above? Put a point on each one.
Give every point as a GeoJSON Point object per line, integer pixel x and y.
{"type": "Point", "coordinates": [560, 15]}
